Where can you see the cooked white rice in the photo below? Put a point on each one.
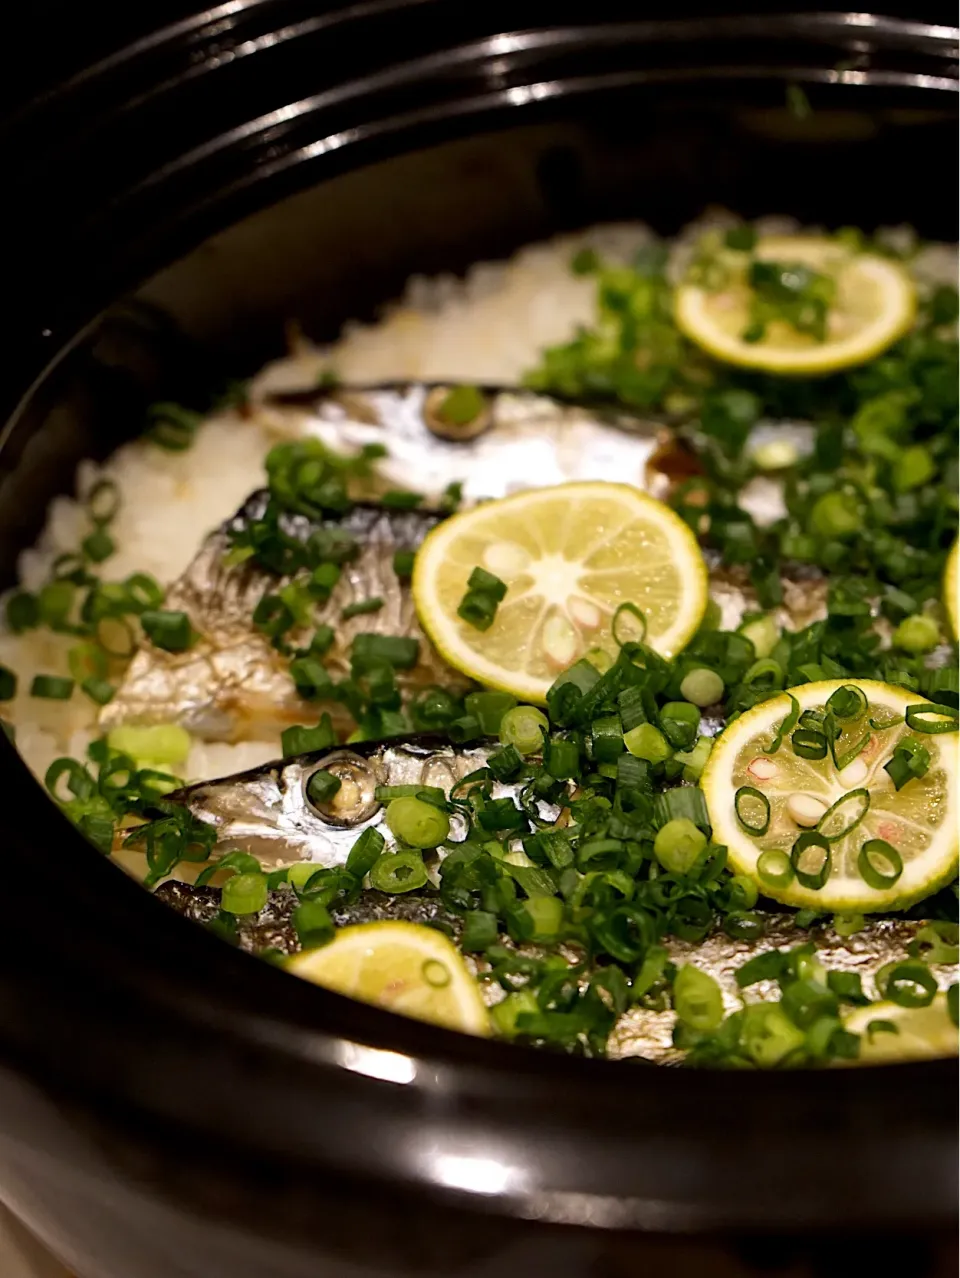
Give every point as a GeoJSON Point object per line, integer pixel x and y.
{"type": "Point", "coordinates": [490, 326]}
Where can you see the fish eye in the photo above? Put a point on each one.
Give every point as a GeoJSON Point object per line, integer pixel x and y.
{"type": "Point", "coordinates": [354, 800]}
{"type": "Point", "coordinates": [457, 413]}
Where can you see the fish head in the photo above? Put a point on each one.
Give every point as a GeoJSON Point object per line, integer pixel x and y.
{"type": "Point", "coordinates": [272, 813]}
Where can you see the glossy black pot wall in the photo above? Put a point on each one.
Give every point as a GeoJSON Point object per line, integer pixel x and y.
{"type": "Point", "coordinates": [169, 1106]}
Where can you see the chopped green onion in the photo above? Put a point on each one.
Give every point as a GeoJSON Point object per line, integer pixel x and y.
{"type": "Point", "coordinates": [419, 824]}
{"type": "Point", "coordinates": [638, 633]}
{"type": "Point", "coordinates": [142, 591]}
{"type": "Point", "coordinates": [403, 564]}
{"type": "Point", "coordinates": [930, 718]}
{"type": "Point", "coordinates": [51, 687]}
{"type": "Point", "coordinates": [695, 760]}
{"type": "Point", "coordinates": [909, 985]}
{"type": "Point", "coordinates": [742, 892]}
{"type": "Point", "coordinates": [544, 915]}
{"type": "Point", "coordinates": [768, 1036]}
{"type": "Point", "coordinates": [396, 650]}
{"type": "Point", "coordinates": [55, 602]}
{"type": "Point", "coordinates": [322, 580]}
{"type": "Point", "coordinates": [313, 924]}
{"type": "Point", "coordinates": [808, 743]}
{"type": "Point", "coordinates": [508, 1014]}
{"type": "Point", "coordinates": [322, 786]}
{"type": "Point", "coordinates": [466, 728]}
{"type": "Point", "coordinates": [479, 931]}
{"type": "Point", "coordinates": [483, 595]}
{"type": "Point", "coordinates": [684, 801]}
{"type": "Point", "coordinates": [678, 844]}
{"type": "Point", "coordinates": [936, 942]}
{"type": "Point", "coordinates": [524, 728]}
{"type": "Point", "coordinates": [775, 868]}
{"type": "Point", "coordinates": [847, 702]}
{"type": "Point", "coordinates": [697, 999]}
{"type": "Point", "coordinates": [813, 880]}
{"type": "Point", "coordinates": [953, 1003]}
{"type": "Point", "coordinates": [87, 661]}
{"type": "Point", "coordinates": [169, 630]}
{"type": "Point", "coordinates": [8, 684]}
{"type": "Point", "coordinates": [116, 637]}
{"type": "Point", "coordinates": [917, 635]}
{"type": "Point", "coordinates": [303, 740]}
{"type": "Point", "coordinates": [763, 633]}
{"type": "Point", "coordinates": [702, 687]}
{"type": "Point", "coordinates": [506, 763]}
{"type": "Point", "coordinates": [396, 872]}
{"type": "Point", "coordinates": [361, 608]}
{"type": "Point", "coordinates": [606, 739]}
{"type": "Point", "coordinates": [172, 426]}
{"type": "Point", "coordinates": [162, 743]}
{"type": "Point", "coordinates": [401, 499]}
{"type": "Point", "coordinates": [311, 680]}
{"type": "Point", "coordinates": [244, 893]}
{"type": "Point", "coordinates": [910, 761]}
{"type": "Point", "coordinates": [562, 759]}
{"type": "Point", "coordinates": [888, 872]}
{"type": "Point", "coordinates": [843, 816]}
{"type": "Point", "coordinates": [748, 794]}
{"type": "Point", "coordinates": [679, 722]}
{"type": "Point", "coordinates": [488, 708]}
{"type": "Point", "coordinates": [647, 742]}
{"type": "Point", "coordinates": [103, 501]}
{"type": "Point", "coordinates": [364, 853]}
{"type": "Point", "coordinates": [22, 611]}
{"type": "Point", "coordinates": [98, 546]}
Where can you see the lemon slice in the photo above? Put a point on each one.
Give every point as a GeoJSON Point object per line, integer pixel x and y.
{"type": "Point", "coordinates": [402, 967]}
{"type": "Point", "coordinates": [923, 1033]}
{"type": "Point", "coordinates": [919, 821]}
{"type": "Point", "coordinates": [874, 304]}
{"type": "Point", "coordinates": [569, 556]}
{"type": "Point", "coordinates": [950, 585]}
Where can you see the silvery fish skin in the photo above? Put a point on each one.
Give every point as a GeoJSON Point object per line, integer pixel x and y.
{"type": "Point", "coordinates": [232, 684]}
{"type": "Point", "coordinates": [268, 813]}
{"type": "Point", "coordinates": [644, 1033]}
{"type": "Point", "coordinates": [520, 440]}
{"type": "Point", "coordinates": [525, 440]}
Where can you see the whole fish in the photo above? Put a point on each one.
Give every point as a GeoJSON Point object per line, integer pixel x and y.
{"type": "Point", "coordinates": [233, 685]}
{"type": "Point", "coordinates": [267, 813]}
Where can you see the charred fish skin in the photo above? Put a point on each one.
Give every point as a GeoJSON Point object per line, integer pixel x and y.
{"type": "Point", "coordinates": [268, 813]}
{"type": "Point", "coordinates": [232, 684]}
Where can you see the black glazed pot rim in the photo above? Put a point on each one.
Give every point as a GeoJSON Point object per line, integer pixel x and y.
{"type": "Point", "coordinates": [146, 1000]}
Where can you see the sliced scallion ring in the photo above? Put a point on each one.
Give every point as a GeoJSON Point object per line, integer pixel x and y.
{"type": "Point", "coordinates": [879, 850]}
{"type": "Point", "coordinates": [775, 868]}
{"type": "Point", "coordinates": [930, 718]}
{"type": "Point", "coordinates": [103, 501]}
{"type": "Point", "coordinates": [631, 610]}
{"type": "Point", "coordinates": [811, 839]}
{"type": "Point", "coordinates": [847, 702]}
{"type": "Point", "coordinates": [748, 794]}
{"type": "Point", "coordinates": [849, 810]}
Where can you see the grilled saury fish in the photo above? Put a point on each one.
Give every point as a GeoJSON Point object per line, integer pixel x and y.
{"type": "Point", "coordinates": [267, 812]}
{"type": "Point", "coordinates": [233, 685]}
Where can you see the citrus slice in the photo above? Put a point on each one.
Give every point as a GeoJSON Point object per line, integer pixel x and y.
{"type": "Point", "coordinates": [950, 586]}
{"type": "Point", "coordinates": [569, 555]}
{"type": "Point", "coordinates": [874, 303]}
{"type": "Point", "coordinates": [919, 821]}
{"type": "Point", "coordinates": [402, 967]}
{"type": "Point", "coordinates": [922, 1033]}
